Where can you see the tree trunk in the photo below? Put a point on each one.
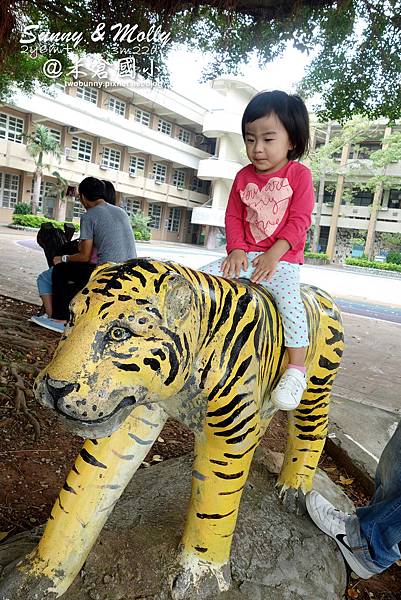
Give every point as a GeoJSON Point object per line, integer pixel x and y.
{"type": "Point", "coordinates": [331, 244]}
{"type": "Point", "coordinates": [377, 198]}
{"type": "Point", "coordinates": [36, 190]}
{"type": "Point", "coordinates": [319, 203]}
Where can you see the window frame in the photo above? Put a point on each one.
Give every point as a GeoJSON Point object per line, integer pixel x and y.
{"type": "Point", "coordinates": [12, 135]}
{"type": "Point", "coordinates": [111, 162]}
{"type": "Point", "coordinates": [151, 207]}
{"type": "Point", "coordinates": [13, 191]}
{"type": "Point", "coordinates": [82, 152]}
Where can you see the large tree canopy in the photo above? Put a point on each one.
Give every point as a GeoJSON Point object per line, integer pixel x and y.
{"type": "Point", "coordinates": [356, 43]}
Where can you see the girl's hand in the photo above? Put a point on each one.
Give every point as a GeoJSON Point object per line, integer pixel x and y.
{"type": "Point", "coordinates": [235, 261]}
{"type": "Point", "coordinates": [265, 267]}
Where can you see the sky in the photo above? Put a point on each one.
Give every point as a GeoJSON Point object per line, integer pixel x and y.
{"type": "Point", "coordinates": [283, 73]}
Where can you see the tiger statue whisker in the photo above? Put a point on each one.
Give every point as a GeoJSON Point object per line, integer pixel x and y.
{"type": "Point", "coordinates": [148, 340]}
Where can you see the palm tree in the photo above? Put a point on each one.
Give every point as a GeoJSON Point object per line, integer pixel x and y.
{"type": "Point", "coordinates": [39, 143]}
{"type": "Point", "coordinates": [61, 189]}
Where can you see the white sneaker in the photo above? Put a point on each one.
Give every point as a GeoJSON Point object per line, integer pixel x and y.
{"type": "Point", "coordinates": [48, 323]}
{"type": "Point", "coordinates": [332, 521]}
{"type": "Point", "coordinates": [288, 393]}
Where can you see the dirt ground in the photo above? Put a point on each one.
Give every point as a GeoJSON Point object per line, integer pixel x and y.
{"type": "Point", "coordinates": [37, 453]}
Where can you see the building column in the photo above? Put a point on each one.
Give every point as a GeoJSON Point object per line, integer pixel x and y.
{"type": "Point", "coordinates": [331, 244]}
{"type": "Point", "coordinates": [320, 198]}
{"type": "Point", "coordinates": [370, 237]}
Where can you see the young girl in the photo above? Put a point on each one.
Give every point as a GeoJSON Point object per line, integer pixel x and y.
{"type": "Point", "coordinates": [268, 214]}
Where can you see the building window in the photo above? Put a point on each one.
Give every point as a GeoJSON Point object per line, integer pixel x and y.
{"type": "Point", "coordinates": [164, 127]}
{"type": "Point", "coordinates": [88, 94]}
{"type": "Point", "coordinates": [132, 206]}
{"type": "Point", "coordinates": [83, 149]}
{"type": "Point", "coordinates": [155, 214]}
{"type": "Point", "coordinates": [179, 178]}
{"type": "Point", "coordinates": [136, 164]}
{"type": "Point", "coordinates": [328, 196]}
{"type": "Point", "coordinates": [394, 199]}
{"type": "Point", "coordinates": [56, 135]}
{"type": "Point", "coordinates": [78, 209]}
{"type": "Point", "coordinates": [11, 128]}
{"type": "Point", "coordinates": [197, 185]}
{"type": "Point", "coordinates": [111, 158]}
{"type": "Point", "coordinates": [117, 106]}
{"type": "Point", "coordinates": [184, 136]}
{"type": "Point", "coordinates": [367, 148]}
{"type": "Point", "coordinates": [159, 172]}
{"type": "Point", "coordinates": [47, 198]}
{"type": "Point", "coordinates": [9, 187]}
{"type": "Point", "coordinates": [362, 198]}
{"type": "Point", "coordinates": [174, 219]}
{"type": "Point", "coordinates": [143, 117]}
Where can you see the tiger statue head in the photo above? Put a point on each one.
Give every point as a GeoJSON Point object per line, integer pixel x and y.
{"type": "Point", "coordinates": [131, 339]}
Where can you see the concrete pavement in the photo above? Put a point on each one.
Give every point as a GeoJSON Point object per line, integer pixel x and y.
{"type": "Point", "coordinates": [367, 393]}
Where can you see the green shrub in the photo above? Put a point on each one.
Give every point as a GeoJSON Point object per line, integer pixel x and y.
{"type": "Point", "coordinates": [394, 258]}
{"type": "Point", "coordinates": [360, 262]}
{"type": "Point", "coordinates": [36, 221]}
{"type": "Point", "coordinates": [22, 208]}
{"type": "Point", "coordinates": [317, 255]}
{"type": "Point", "coordinates": [140, 226]}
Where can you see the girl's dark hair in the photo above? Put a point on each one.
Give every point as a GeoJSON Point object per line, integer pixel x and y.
{"type": "Point", "coordinates": [290, 110]}
{"type": "Point", "coordinates": [93, 189]}
{"type": "Point", "coordinates": [110, 195]}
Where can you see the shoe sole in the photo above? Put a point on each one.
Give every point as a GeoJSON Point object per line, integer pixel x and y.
{"type": "Point", "coordinates": [33, 320]}
{"type": "Point", "coordinates": [349, 558]}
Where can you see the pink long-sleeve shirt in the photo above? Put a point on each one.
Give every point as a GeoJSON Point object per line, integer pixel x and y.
{"type": "Point", "coordinates": [265, 207]}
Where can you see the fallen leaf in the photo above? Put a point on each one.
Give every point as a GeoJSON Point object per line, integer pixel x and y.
{"type": "Point", "coordinates": [352, 593]}
{"type": "Point", "coordinates": [345, 481]}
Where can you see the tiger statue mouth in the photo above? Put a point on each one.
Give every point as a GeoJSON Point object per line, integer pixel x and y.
{"type": "Point", "coordinates": [59, 396]}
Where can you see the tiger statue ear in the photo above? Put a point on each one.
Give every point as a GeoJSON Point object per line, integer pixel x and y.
{"type": "Point", "coordinates": [179, 295]}
{"type": "Point", "coordinates": [100, 268]}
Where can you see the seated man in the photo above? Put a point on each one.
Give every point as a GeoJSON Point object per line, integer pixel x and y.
{"type": "Point", "coordinates": [370, 541]}
{"type": "Point", "coordinates": [105, 236]}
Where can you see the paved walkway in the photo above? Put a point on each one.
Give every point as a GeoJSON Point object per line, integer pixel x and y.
{"type": "Point", "coordinates": [367, 392]}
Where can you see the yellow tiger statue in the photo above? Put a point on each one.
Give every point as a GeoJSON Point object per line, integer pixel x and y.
{"type": "Point", "coordinates": [148, 340]}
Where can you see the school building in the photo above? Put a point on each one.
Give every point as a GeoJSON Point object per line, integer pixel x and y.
{"type": "Point", "coordinates": [168, 156]}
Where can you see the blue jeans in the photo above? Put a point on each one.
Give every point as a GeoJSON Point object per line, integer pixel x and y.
{"type": "Point", "coordinates": [374, 534]}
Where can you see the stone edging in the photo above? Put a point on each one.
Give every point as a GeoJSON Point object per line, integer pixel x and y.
{"type": "Point", "coordinates": [370, 271]}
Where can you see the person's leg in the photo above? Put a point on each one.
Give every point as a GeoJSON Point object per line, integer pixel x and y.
{"type": "Point", "coordinates": [45, 289]}
{"type": "Point", "coordinates": [285, 289]}
{"type": "Point", "coordinates": [375, 532]}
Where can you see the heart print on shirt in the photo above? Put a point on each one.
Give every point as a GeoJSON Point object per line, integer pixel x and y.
{"type": "Point", "coordinates": [266, 207]}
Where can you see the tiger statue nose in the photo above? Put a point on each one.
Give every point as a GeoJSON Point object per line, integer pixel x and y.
{"type": "Point", "coordinates": [60, 389]}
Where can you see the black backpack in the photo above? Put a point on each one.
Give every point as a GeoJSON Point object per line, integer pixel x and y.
{"type": "Point", "coordinates": [56, 242]}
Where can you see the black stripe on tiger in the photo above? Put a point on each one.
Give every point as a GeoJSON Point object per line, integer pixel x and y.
{"type": "Point", "coordinates": [91, 460]}
{"type": "Point", "coordinates": [228, 455]}
{"type": "Point", "coordinates": [229, 420]}
{"type": "Point", "coordinates": [232, 492]}
{"type": "Point", "coordinates": [241, 308]}
{"type": "Point", "coordinates": [325, 363]}
{"type": "Point", "coordinates": [221, 475]}
{"type": "Point", "coordinates": [227, 408]}
{"type": "Point", "coordinates": [240, 438]}
{"type": "Point", "coordinates": [214, 516]}
{"type": "Point", "coordinates": [126, 366]}
{"type": "Point", "coordinates": [235, 429]}
{"type": "Point", "coordinates": [321, 380]}
{"type": "Point", "coordinates": [337, 336]}
{"type": "Point", "coordinates": [174, 364]}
